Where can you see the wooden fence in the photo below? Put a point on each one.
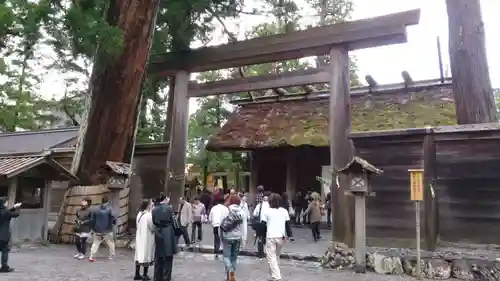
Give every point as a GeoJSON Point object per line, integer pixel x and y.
{"type": "Point", "coordinates": [461, 164]}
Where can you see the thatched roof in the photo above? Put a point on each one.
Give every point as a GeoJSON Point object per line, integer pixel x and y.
{"type": "Point", "coordinates": [305, 122]}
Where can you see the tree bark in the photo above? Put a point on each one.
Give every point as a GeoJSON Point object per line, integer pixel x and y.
{"type": "Point", "coordinates": [472, 89]}
{"type": "Point", "coordinates": [115, 89]}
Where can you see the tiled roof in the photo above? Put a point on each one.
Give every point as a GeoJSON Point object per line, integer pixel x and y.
{"type": "Point", "coordinates": [14, 165]}
{"type": "Point", "coordinates": [35, 141]}
{"type": "Point", "coordinates": [11, 166]}
{"type": "Point", "coordinates": [119, 168]}
{"type": "Point", "coordinates": [305, 122]}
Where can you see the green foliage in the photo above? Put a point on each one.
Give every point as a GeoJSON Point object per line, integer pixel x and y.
{"type": "Point", "coordinates": [284, 16]}
{"type": "Point", "coordinates": [212, 112]}
{"type": "Point", "coordinates": [152, 115]}
{"type": "Point", "coordinates": [331, 12]}
{"type": "Point", "coordinates": [74, 30]}
{"type": "Point", "coordinates": [21, 107]}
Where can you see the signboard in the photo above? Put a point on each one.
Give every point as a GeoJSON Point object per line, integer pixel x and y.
{"type": "Point", "coordinates": [416, 184]}
{"type": "Point", "coordinates": [210, 182]}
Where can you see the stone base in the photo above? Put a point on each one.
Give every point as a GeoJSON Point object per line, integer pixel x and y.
{"type": "Point", "coordinates": [360, 268]}
{"type": "Point", "coordinates": [399, 262]}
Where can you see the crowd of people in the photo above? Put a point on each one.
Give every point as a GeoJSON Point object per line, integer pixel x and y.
{"type": "Point", "coordinates": [159, 228]}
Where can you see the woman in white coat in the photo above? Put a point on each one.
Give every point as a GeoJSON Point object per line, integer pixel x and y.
{"type": "Point", "coordinates": [144, 241]}
{"type": "Point", "coordinates": [246, 217]}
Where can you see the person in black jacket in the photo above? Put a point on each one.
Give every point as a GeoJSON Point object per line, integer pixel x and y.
{"type": "Point", "coordinates": [5, 216]}
{"type": "Point", "coordinates": [82, 228]}
{"type": "Point", "coordinates": [165, 239]}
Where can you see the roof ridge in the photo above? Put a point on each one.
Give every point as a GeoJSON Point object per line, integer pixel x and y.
{"type": "Point", "coordinates": [34, 155]}
{"type": "Point", "coordinates": [41, 131]}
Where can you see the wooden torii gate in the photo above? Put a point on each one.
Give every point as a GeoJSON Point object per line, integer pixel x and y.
{"type": "Point", "coordinates": [336, 40]}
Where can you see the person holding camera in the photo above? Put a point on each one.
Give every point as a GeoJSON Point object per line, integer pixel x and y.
{"type": "Point", "coordinates": [6, 216]}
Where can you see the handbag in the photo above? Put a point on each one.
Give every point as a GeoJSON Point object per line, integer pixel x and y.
{"type": "Point", "coordinates": [176, 226]}
{"type": "Point", "coordinates": [256, 222]}
{"type": "Point", "coordinates": [76, 227]}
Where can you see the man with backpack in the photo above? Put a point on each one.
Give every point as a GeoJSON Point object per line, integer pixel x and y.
{"type": "Point", "coordinates": [232, 233]}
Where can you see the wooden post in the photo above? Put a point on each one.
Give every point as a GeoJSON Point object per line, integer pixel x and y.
{"type": "Point", "coordinates": [12, 191]}
{"type": "Point", "coordinates": [291, 174]}
{"type": "Point", "coordinates": [47, 194]}
{"type": "Point", "coordinates": [237, 177]}
{"type": "Point", "coordinates": [417, 230]}
{"type": "Point", "coordinates": [176, 160]}
{"type": "Point", "coordinates": [254, 182]}
{"type": "Point", "coordinates": [341, 148]}
{"type": "Point", "coordinates": [431, 210]}
{"type": "Point", "coordinates": [416, 195]}
{"type": "Point", "coordinates": [360, 231]}
{"type": "Point", "coordinates": [235, 158]}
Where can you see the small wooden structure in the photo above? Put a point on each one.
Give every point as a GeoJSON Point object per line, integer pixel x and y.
{"type": "Point", "coordinates": [333, 40]}
{"type": "Point", "coordinates": [27, 179]}
{"type": "Point", "coordinates": [115, 188]}
{"type": "Point", "coordinates": [118, 174]}
{"type": "Point", "coordinates": [146, 182]}
{"type": "Point", "coordinates": [358, 171]}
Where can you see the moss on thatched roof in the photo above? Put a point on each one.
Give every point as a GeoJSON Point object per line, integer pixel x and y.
{"type": "Point", "coordinates": [305, 122]}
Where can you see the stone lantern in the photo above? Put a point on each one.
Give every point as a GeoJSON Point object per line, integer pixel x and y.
{"type": "Point", "coordinates": [359, 172]}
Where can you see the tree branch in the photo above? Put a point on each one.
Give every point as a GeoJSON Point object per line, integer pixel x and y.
{"type": "Point", "coordinates": [66, 109]}
{"type": "Point", "coordinates": [232, 38]}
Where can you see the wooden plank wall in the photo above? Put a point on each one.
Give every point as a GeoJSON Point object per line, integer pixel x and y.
{"type": "Point", "coordinates": [469, 189]}
{"type": "Point", "coordinates": [391, 213]}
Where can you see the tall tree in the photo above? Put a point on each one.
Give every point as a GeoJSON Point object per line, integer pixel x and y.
{"type": "Point", "coordinates": [472, 88]}
{"type": "Point", "coordinates": [115, 85]}
{"type": "Point", "coordinates": [331, 12]}
{"type": "Point", "coordinates": [205, 122]}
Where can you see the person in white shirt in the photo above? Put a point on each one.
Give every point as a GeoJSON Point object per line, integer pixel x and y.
{"type": "Point", "coordinates": [258, 227]}
{"type": "Point", "coordinates": [278, 230]}
{"type": "Point", "coordinates": [217, 214]}
{"type": "Point", "coordinates": [246, 217]}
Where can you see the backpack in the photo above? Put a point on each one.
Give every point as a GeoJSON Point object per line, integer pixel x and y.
{"type": "Point", "coordinates": [230, 222]}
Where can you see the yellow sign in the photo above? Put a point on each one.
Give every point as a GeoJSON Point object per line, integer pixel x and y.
{"type": "Point", "coordinates": [210, 182]}
{"type": "Point", "coordinates": [416, 184]}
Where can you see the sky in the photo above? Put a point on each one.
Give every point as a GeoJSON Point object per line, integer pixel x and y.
{"type": "Point", "coordinates": [418, 56]}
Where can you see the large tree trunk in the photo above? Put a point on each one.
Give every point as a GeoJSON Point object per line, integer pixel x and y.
{"type": "Point", "coordinates": [469, 67]}
{"type": "Point", "coordinates": [109, 133]}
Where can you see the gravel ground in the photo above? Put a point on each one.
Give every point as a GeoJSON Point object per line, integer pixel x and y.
{"type": "Point", "coordinates": [55, 263]}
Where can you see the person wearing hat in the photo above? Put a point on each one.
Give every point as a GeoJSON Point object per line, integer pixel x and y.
{"type": "Point", "coordinates": [6, 215]}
